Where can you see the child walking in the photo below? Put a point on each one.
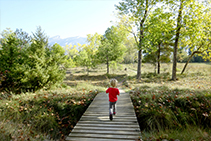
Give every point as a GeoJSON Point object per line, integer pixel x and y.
{"type": "Point", "coordinates": [113, 92]}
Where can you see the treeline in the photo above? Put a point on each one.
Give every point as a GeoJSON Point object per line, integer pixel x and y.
{"type": "Point", "coordinates": [144, 31]}
{"type": "Point", "coordinates": [29, 63]}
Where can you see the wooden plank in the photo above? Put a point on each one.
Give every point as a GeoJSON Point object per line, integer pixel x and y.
{"type": "Point", "coordinates": [106, 116]}
{"type": "Point", "coordinates": [106, 113]}
{"type": "Point", "coordinates": [105, 136]}
{"type": "Point", "coordinates": [108, 122]}
{"type": "Point", "coordinates": [95, 123]}
{"type": "Point", "coordinates": [94, 139]}
{"type": "Point", "coordinates": [106, 119]}
{"type": "Point", "coordinates": [108, 125]}
{"type": "Point", "coordinates": [119, 132]}
{"type": "Point", "coordinates": [107, 128]}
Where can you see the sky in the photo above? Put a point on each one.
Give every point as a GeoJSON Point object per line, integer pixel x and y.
{"type": "Point", "coordinates": [66, 18]}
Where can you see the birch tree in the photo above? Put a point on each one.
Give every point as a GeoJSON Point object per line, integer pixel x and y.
{"type": "Point", "coordinates": [138, 12]}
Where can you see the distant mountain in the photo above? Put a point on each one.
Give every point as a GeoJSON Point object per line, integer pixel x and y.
{"type": "Point", "coordinates": [67, 41]}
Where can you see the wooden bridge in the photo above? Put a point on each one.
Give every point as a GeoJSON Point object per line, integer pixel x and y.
{"type": "Point", "coordinates": [95, 125]}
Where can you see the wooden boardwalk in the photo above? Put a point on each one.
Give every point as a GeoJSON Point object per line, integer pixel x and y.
{"type": "Point", "coordinates": [95, 125]}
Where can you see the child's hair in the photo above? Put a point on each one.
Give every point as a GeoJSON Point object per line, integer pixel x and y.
{"type": "Point", "coordinates": [113, 82]}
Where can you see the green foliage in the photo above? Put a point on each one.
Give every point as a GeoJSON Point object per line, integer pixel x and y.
{"type": "Point", "coordinates": [130, 55]}
{"type": "Point", "coordinates": [137, 13]}
{"type": "Point", "coordinates": [87, 55]}
{"type": "Point", "coordinates": [182, 55]}
{"type": "Point", "coordinates": [11, 62]}
{"type": "Point", "coordinates": [196, 32]}
{"type": "Point", "coordinates": [159, 37]}
{"type": "Point", "coordinates": [72, 52]}
{"type": "Point", "coordinates": [112, 47]}
{"type": "Point", "coordinates": [113, 65]}
{"type": "Point", "coordinates": [29, 64]}
{"type": "Point", "coordinates": [151, 27]}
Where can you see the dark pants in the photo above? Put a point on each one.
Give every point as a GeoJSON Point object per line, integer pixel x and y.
{"type": "Point", "coordinates": [112, 107]}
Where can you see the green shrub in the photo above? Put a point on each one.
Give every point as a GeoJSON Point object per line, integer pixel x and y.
{"type": "Point", "coordinates": [32, 65]}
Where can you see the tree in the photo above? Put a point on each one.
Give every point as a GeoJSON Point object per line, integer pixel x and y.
{"type": "Point", "coordinates": [29, 63]}
{"type": "Point", "coordinates": [37, 74]}
{"type": "Point", "coordinates": [94, 41]}
{"type": "Point", "coordinates": [60, 56]}
{"type": "Point", "coordinates": [11, 61]}
{"type": "Point", "coordinates": [72, 53]}
{"type": "Point", "coordinates": [197, 31]}
{"type": "Point", "coordinates": [112, 47]}
{"type": "Point", "coordinates": [137, 11]}
{"type": "Point", "coordinates": [87, 54]}
{"type": "Point", "coordinates": [159, 34]}
{"type": "Point", "coordinates": [45, 65]}
{"type": "Point", "coordinates": [23, 37]}
{"type": "Point", "coordinates": [190, 22]}
{"type": "Point", "coordinates": [177, 36]}
{"type": "Point", "coordinates": [53, 70]}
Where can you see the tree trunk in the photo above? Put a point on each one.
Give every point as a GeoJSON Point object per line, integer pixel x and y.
{"type": "Point", "coordinates": [186, 64]}
{"type": "Point", "coordinates": [179, 19]}
{"type": "Point", "coordinates": [141, 36]}
{"type": "Point", "coordinates": [159, 58]}
{"type": "Point", "coordinates": [107, 65]}
{"type": "Point", "coordinates": [139, 64]}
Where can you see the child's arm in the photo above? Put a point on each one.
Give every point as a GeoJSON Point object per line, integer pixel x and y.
{"type": "Point", "coordinates": [118, 93]}
{"type": "Point", "coordinates": [107, 91]}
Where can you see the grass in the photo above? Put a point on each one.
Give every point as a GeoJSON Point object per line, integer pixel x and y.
{"type": "Point", "coordinates": [169, 111]}
{"type": "Point", "coordinates": [174, 109]}
{"type": "Point", "coordinates": [191, 133]}
{"type": "Point", "coordinates": [52, 114]}
{"type": "Point", "coordinates": [45, 114]}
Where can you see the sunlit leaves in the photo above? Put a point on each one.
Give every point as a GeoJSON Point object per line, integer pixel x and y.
{"type": "Point", "coordinates": [159, 36]}
{"type": "Point", "coordinates": [138, 12]}
{"type": "Point", "coordinates": [195, 35]}
{"type": "Point", "coordinates": [112, 47]}
{"type": "Point", "coordinates": [87, 53]}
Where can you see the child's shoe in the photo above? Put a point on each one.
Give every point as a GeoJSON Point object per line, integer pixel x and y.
{"type": "Point", "coordinates": [111, 117]}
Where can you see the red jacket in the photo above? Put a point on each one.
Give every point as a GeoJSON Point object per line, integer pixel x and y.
{"type": "Point", "coordinates": [113, 92]}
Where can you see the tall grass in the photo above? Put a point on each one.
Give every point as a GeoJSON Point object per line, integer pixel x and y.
{"type": "Point", "coordinates": [160, 107]}
{"type": "Point", "coordinates": [44, 114]}
{"type": "Point", "coordinates": [174, 109]}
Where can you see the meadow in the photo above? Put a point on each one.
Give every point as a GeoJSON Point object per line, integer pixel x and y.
{"type": "Point", "coordinates": [165, 109]}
